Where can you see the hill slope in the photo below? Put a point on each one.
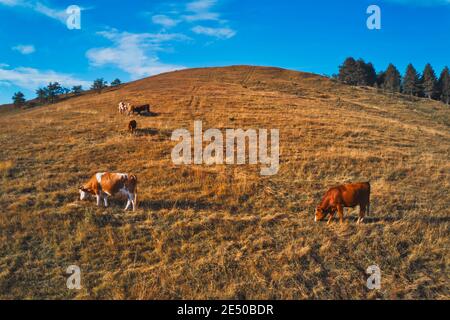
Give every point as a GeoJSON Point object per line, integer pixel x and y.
{"type": "Point", "coordinates": [225, 231]}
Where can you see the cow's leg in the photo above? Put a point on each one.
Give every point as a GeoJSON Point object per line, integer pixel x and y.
{"type": "Point", "coordinates": [331, 214]}
{"type": "Point", "coordinates": [105, 200]}
{"type": "Point", "coordinates": [129, 202]}
{"type": "Point", "coordinates": [340, 210]}
{"type": "Point", "coordinates": [133, 202]}
{"type": "Point", "coordinates": [99, 199]}
{"type": "Point", "coordinates": [362, 213]}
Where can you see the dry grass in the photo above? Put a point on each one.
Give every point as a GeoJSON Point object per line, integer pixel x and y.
{"type": "Point", "coordinates": [226, 232]}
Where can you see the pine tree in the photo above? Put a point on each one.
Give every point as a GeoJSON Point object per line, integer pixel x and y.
{"type": "Point", "coordinates": [371, 74]}
{"type": "Point", "coordinates": [42, 96]}
{"type": "Point", "coordinates": [348, 71]}
{"type": "Point", "coordinates": [365, 74]}
{"type": "Point", "coordinates": [429, 82]}
{"type": "Point", "coordinates": [381, 76]}
{"type": "Point", "coordinates": [116, 82]}
{"type": "Point", "coordinates": [77, 90]}
{"type": "Point", "coordinates": [99, 85]}
{"type": "Point", "coordinates": [411, 81]}
{"type": "Point", "coordinates": [392, 79]}
{"type": "Point", "coordinates": [53, 90]}
{"type": "Point", "coordinates": [18, 99]}
{"type": "Point", "coordinates": [444, 86]}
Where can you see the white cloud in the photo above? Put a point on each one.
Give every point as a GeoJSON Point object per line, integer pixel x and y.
{"type": "Point", "coordinates": [31, 79]}
{"type": "Point", "coordinates": [164, 21]}
{"type": "Point", "coordinates": [196, 11]}
{"type": "Point", "coordinates": [200, 10]}
{"type": "Point", "coordinates": [221, 33]}
{"type": "Point", "coordinates": [134, 53]}
{"type": "Point", "coordinates": [24, 49]}
{"type": "Point", "coordinates": [39, 7]}
{"type": "Point", "coordinates": [200, 5]}
{"type": "Point", "coordinates": [11, 2]}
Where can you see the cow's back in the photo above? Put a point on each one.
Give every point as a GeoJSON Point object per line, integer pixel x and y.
{"type": "Point", "coordinates": [355, 193]}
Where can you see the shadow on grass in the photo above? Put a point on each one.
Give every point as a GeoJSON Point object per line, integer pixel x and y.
{"type": "Point", "coordinates": [388, 219]}
{"type": "Point", "coordinates": [181, 204]}
{"type": "Point", "coordinates": [153, 132]}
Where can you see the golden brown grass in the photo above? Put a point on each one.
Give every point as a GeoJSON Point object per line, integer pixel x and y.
{"type": "Point", "coordinates": [225, 231]}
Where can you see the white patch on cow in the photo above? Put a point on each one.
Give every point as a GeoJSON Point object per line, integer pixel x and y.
{"type": "Point", "coordinates": [99, 176]}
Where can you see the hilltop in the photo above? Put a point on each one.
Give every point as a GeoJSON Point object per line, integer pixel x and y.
{"type": "Point", "coordinates": [225, 232]}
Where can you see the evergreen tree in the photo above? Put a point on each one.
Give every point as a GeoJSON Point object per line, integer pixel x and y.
{"type": "Point", "coordinates": [77, 90]}
{"type": "Point", "coordinates": [65, 91]}
{"type": "Point", "coordinates": [99, 85]}
{"type": "Point", "coordinates": [116, 82]}
{"type": "Point", "coordinates": [444, 86]}
{"type": "Point", "coordinates": [18, 99]}
{"type": "Point", "coordinates": [429, 82]}
{"type": "Point", "coordinates": [42, 96]}
{"type": "Point", "coordinates": [392, 79]}
{"type": "Point", "coordinates": [411, 81]}
{"type": "Point", "coordinates": [365, 74]}
{"type": "Point", "coordinates": [371, 74]}
{"type": "Point", "coordinates": [53, 89]}
{"type": "Point", "coordinates": [348, 71]}
{"type": "Point", "coordinates": [381, 76]}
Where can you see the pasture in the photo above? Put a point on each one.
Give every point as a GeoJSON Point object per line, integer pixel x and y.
{"type": "Point", "coordinates": [226, 232]}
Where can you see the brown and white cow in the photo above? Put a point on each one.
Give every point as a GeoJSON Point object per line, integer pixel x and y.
{"type": "Point", "coordinates": [122, 107]}
{"type": "Point", "coordinates": [344, 196]}
{"type": "Point", "coordinates": [103, 185]}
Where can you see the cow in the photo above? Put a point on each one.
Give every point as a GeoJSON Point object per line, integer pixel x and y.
{"type": "Point", "coordinates": [122, 107]}
{"type": "Point", "coordinates": [139, 109]}
{"type": "Point", "coordinates": [105, 184]}
{"type": "Point", "coordinates": [132, 126]}
{"type": "Point", "coordinates": [344, 196]}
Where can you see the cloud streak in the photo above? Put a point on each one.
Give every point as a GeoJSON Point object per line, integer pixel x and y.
{"type": "Point", "coordinates": [31, 79]}
{"type": "Point", "coordinates": [24, 49]}
{"type": "Point", "coordinates": [39, 7]}
{"type": "Point", "coordinates": [198, 11]}
{"type": "Point", "coordinates": [220, 33]}
{"type": "Point", "coordinates": [134, 53]}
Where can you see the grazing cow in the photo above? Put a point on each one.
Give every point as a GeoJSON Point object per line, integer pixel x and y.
{"type": "Point", "coordinates": [122, 108]}
{"type": "Point", "coordinates": [344, 196]}
{"type": "Point", "coordinates": [104, 185]}
{"type": "Point", "coordinates": [132, 126]}
{"type": "Point", "coordinates": [139, 110]}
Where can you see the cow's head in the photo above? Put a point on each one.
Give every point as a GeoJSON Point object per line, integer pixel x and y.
{"type": "Point", "coordinates": [320, 214]}
{"type": "Point", "coordinates": [83, 193]}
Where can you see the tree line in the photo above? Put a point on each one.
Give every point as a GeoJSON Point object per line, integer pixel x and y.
{"type": "Point", "coordinates": [360, 73]}
{"type": "Point", "coordinates": [54, 91]}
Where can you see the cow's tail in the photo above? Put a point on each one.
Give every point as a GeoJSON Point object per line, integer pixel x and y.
{"type": "Point", "coordinates": [368, 199]}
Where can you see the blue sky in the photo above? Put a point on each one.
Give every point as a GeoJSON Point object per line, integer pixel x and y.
{"type": "Point", "coordinates": [135, 39]}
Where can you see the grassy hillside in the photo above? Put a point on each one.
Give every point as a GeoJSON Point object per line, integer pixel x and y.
{"type": "Point", "coordinates": [225, 231]}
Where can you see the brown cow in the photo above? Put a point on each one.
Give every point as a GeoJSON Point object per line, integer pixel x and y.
{"type": "Point", "coordinates": [139, 110]}
{"type": "Point", "coordinates": [106, 184]}
{"type": "Point", "coordinates": [132, 126]}
{"type": "Point", "coordinates": [344, 196]}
